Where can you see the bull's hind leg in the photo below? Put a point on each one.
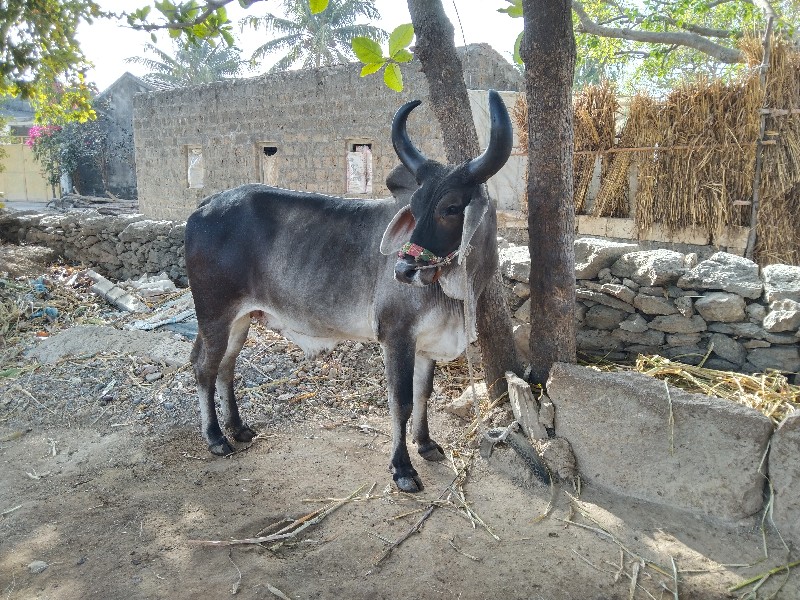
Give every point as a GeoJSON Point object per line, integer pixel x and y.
{"type": "Point", "coordinates": [207, 353]}
{"type": "Point", "coordinates": [423, 387]}
{"type": "Point", "coordinates": [227, 400]}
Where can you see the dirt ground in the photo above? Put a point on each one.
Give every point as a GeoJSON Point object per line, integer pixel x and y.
{"type": "Point", "coordinates": [117, 508]}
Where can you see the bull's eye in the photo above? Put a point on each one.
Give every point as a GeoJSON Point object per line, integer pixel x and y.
{"type": "Point", "coordinates": [453, 209]}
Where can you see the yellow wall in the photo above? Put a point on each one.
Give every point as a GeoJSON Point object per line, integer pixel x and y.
{"type": "Point", "coordinates": [21, 178]}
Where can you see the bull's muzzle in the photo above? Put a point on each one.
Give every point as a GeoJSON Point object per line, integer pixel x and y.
{"type": "Point", "coordinates": [408, 272]}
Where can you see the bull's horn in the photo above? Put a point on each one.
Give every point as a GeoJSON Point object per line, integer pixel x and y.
{"type": "Point", "coordinates": [500, 141]}
{"type": "Point", "coordinates": [412, 158]}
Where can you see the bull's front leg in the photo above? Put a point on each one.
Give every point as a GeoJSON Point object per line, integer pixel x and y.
{"type": "Point", "coordinates": [398, 357]}
{"type": "Point", "coordinates": [423, 388]}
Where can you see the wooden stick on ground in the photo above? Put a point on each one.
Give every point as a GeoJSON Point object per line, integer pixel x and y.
{"type": "Point", "coordinates": [289, 531]}
{"type": "Point", "coordinates": [416, 526]}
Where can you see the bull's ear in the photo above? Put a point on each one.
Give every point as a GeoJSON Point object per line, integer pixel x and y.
{"type": "Point", "coordinates": [401, 184]}
{"type": "Point", "coordinates": [473, 215]}
{"type": "Point", "coordinates": [399, 231]}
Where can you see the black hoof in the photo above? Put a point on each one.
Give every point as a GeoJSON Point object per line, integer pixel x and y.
{"type": "Point", "coordinates": [222, 448]}
{"type": "Point", "coordinates": [244, 434]}
{"type": "Point", "coordinates": [431, 451]}
{"type": "Point", "coordinates": [412, 484]}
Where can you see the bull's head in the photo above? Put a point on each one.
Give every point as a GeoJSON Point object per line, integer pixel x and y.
{"type": "Point", "coordinates": [446, 210]}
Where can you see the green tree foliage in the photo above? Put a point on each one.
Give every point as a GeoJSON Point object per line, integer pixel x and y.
{"type": "Point", "coordinates": [61, 149]}
{"type": "Point", "coordinates": [666, 41]}
{"type": "Point", "coordinates": [316, 39]}
{"type": "Point", "coordinates": [669, 40]}
{"type": "Point", "coordinates": [370, 53]}
{"type": "Point", "coordinates": [41, 55]}
{"type": "Point", "coordinates": [194, 62]}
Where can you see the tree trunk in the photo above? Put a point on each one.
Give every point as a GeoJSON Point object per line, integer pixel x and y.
{"type": "Point", "coordinates": [436, 51]}
{"type": "Point", "coordinates": [548, 50]}
{"type": "Point", "coordinates": [442, 67]}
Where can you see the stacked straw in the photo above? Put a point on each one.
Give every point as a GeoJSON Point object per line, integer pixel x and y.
{"type": "Point", "coordinates": [779, 214]}
{"type": "Point", "coordinates": [695, 154]}
{"type": "Point", "coordinates": [707, 130]}
{"type": "Point", "coordinates": [640, 129]}
{"type": "Point", "coordinates": [595, 109]}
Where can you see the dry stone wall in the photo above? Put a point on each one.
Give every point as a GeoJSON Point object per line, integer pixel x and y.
{"type": "Point", "coordinates": [724, 310]}
{"type": "Point", "coordinates": [119, 247]}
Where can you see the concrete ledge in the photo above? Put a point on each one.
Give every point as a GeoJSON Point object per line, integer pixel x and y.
{"type": "Point", "coordinates": [784, 472]}
{"type": "Point", "coordinates": [619, 425]}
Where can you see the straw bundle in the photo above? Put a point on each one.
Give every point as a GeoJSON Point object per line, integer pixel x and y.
{"type": "Point", "coordinates": [595, 109]}
{"type": "Point", "coordinates": [707, 163]}
{"type": "Point", "coordinates": [640, 130]}
{"type": "Point", "coordinates": [779, 213]}
{"type": "Point", "coordinates": [519, 114]}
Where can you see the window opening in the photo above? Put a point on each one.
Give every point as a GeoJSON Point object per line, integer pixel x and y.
{"type": "Point", "coordinates": [195, 168]}
{"type": "Point", "coordinates": [359, 168]}
{"type": "Point", "coordinates": [268, 163]}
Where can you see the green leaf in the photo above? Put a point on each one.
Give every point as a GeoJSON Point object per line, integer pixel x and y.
{"type": "Point", "coordinates": [367, 50]}
{"type": "Point", "coordinates": [165, 7]}
{"type": "Point", "coordinates": [400, 38]}
{"type": "Point", "coordinates": [317, 6]}
{"type": "Point", "coordinates": [402, 56]}
{"type": "Point", "coordinates": [371, 68]}
{"type": "Point", "coordinates": [517, 44]}
{"type": "Point", "coordinates": [514, 11]}
{"type": "Point", "coordinates": [393, 77]}
{"type": "Point", "coordinates": [12, 372]}
{"type": "Point", "coordinates": [226, 35]}
{"type": "Point", "coordinates": [154, 38]}
{"type": "Point", "coordinates": [174, 32]}
{"type": "Point", "coordinates": [200, 30]}
{"type": "Point", "coordinates": [222, 14]}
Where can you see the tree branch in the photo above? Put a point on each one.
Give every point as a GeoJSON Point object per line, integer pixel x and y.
{"type": "Point", "coordinates": [699, 29]}
{"type": "Point", "coordinates": [680, 38]}
{"type": "Point", "coordinates": [766, 8]}
{"type": "Point", "coordinates": [210, 8]}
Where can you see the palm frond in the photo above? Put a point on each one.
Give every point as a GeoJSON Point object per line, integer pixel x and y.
{"type": "Point", "coordinates": [317, 40]}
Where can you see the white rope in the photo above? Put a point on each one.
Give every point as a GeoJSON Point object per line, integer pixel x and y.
{"type": "Point", "coordinates": [469, 329]}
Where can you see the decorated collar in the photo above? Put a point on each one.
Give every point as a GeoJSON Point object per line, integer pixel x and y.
{"type": "Point", "coordinates": [422, 255]}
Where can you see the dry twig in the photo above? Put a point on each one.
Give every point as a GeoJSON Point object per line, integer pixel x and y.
{"type": "Point", "coordinates": [290, 531]}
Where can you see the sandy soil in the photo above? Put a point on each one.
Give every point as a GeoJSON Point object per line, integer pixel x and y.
{"type": "Point", "coordinates": [116, 509]}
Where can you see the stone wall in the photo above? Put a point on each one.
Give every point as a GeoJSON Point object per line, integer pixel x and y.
{"type": "Point", "coordinates": [307, 119]}
{"type": "Point", "coordinates": [119, 247]}
{"type": "Point", "coordinates": [724, 309]}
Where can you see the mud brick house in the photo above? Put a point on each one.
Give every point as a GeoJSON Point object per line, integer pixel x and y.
{"type": "Point", "coordinates": [115, 174]}
{"type": "Point", "coordinates": [324, 130]}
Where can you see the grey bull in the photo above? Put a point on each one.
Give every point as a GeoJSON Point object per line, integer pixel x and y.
{"type": "Point", "coordinates": [320, 269]}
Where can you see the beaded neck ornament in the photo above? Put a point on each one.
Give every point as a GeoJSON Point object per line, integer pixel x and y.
{"type": "Point", "coordinates": [420, 254]}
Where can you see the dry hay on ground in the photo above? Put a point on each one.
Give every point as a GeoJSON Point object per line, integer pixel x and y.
{"type": "Point", "coordinates": [769, 393]}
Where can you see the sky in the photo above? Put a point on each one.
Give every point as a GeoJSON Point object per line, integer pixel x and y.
{"type": "Point", "coordinates": [107, 43]}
